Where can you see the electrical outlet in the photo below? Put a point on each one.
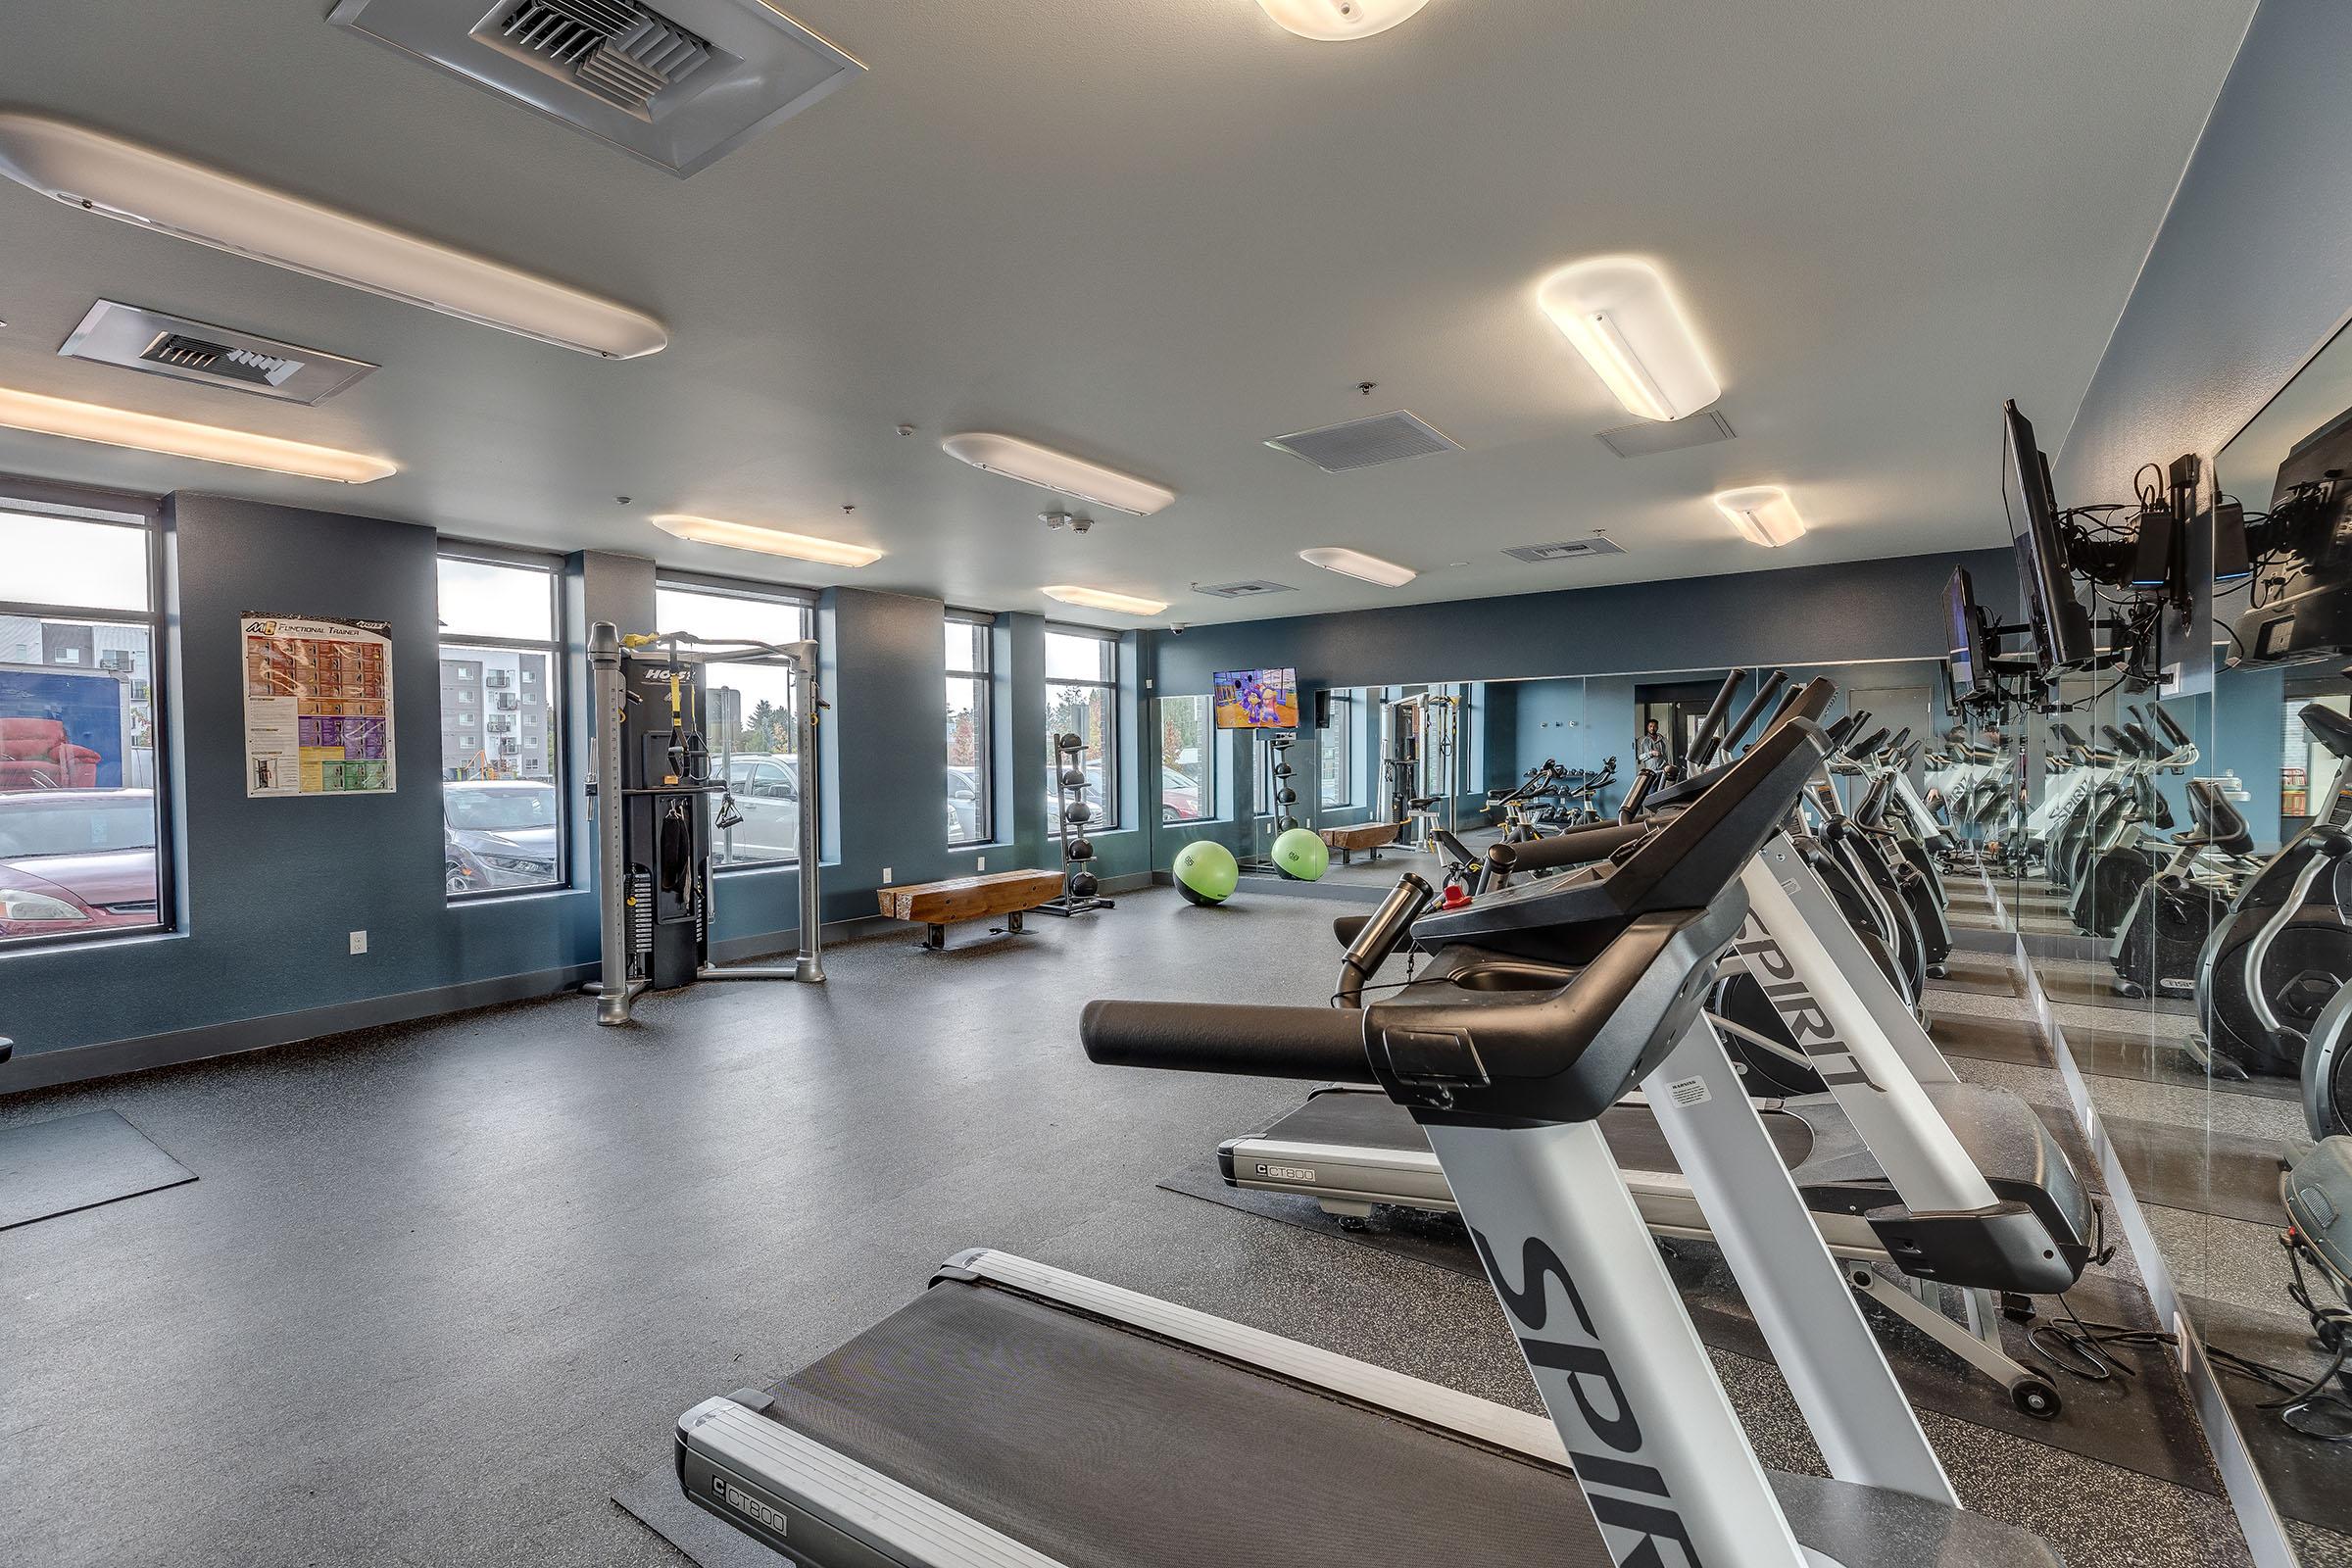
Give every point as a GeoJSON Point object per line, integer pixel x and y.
{"type": "Point", "coordinates": [979, 862]}
{"type": "Point", "coordinates": [358, 942]}
{"type": "Point", "coordinates": [886, 876]}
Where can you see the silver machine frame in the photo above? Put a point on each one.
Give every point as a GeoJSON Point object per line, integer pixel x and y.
{"type": "Point", "coordinates": [617, 987]}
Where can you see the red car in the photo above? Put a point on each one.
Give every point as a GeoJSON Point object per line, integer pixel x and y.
{"type": "Point", "coordinates": [75, 861]}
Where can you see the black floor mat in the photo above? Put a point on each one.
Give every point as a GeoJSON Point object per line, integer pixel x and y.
{"type": "Point", "coordinates": [661, 1507]}
{"type": "Point", "coordinates": [2131, 1048]}
{"type": "Point", "coordinates": [2227, 1174]}
{"type": "Point", "coordinates": [2304, 1476]}
{"type": "Point", "coordinates": [2144, 1423]}
{"type": "Point", "coordinates": [55, 1167]}
{"type": "Point", "coordinates": [2094, 987]}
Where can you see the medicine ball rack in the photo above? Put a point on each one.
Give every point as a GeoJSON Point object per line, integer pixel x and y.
{"type": "Point", "coordinates": [1284, 797]}
{"type": "Point", "coordinates": [1081, 889]}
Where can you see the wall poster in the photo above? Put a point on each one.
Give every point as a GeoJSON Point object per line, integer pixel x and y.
{"type": "Point", "coordinates": [317, 706]}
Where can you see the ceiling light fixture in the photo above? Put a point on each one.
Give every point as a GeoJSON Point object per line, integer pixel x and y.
{"type": "Point", "coordinates": [176, 438]}
{"type": "Point", "coordinates": [153, 189]}
{"type": "Point", "coordinates": [1763, 515]}
{"type": "Point", "coordinates": [1103, 598]}
{"type": "Point", "coordinates": [1356, 563]}
{"type": "Point", "coordinates": [1623, 320]}
{"type": "Point", "coordinates": [1048, 469]}
{"type": "Point", "coordinates": [767, 541]}
{"type": "Point", "coordinates": [1336, 20]}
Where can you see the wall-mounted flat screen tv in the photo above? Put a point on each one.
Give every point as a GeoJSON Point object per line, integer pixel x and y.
{"type": "Point", "coordinates": [1257, 698]}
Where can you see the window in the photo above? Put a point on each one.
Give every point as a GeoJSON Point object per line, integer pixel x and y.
{"type": "Point", "coordinates": [1187, 781]}
{"type": "Point", "coordinates": [81, 792]}
{"type": "Point", "coordinates": [1336, 762]}
{"type": "Point", "coordinates": [502, 784]}
{"type": "Point", "coordinates": [972, 814]}
{"type": "Point", "coordinates": [754, 732]}
{"type": "Point", "coordinates": [1082, 688]}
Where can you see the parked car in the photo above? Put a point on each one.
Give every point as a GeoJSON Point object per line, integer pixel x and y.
{"type": "Point", "coordinates": [1092, 794]}
{"type": "Point", "coordinates": [965, 803]}
{"type": "Point", "coordinates": [1179, 797]}
{"type": "Point", "coordinates": [75, 861]}
{"type": "Point", "coordinates": [767, 795]}
{"type": "Point", "coordinates": [499, 833]}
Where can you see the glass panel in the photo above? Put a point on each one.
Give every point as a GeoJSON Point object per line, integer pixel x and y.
{"type": "Point", "coordinates": [490, 599]}
{"type": "Point", "coordinates": [502, 812]}
{"type": "Point", "coordinates": [1186, 785]}
{"type": "Point", "coordinates": [1086, 711]}
{"type": "Point", "coordinates": [1335, 783]}
{"type": "Point", "coordinates": [754, 732]}
{"type": "Point", "coordinates": [77, 767]}
{"type": "Point", "coordinates": [1071, 655]}
{"type": "Point", "coordinates": [967, 646]}
{"type": "Point", "coordinates": [968, 815]}
{"type": "Point", "coordinates": [66, 560]}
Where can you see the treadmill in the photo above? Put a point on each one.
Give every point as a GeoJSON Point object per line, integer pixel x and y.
{"type": "Point", "coordinates": [1898, 1161]}
{"type": "Point", "coordinates": [1018, 1416]}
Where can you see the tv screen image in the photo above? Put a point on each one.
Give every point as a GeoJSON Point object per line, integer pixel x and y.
{"type": "Point", "coordinates": [2062, 630]}
{"type": "Point", "coordinates": [1257, 698]}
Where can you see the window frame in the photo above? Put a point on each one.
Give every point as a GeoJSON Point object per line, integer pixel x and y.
{"type": "Point", "coordinates": [119, 508]}
{"type": "Point", "coordinates": [984, 722]}
{"type": "Point", "coordinates": [1109, 684]}
{"type": "Point", "coordinates": [764, 593]}
{"type": "Point", "coordinates": [558, 704]}
{"type": "Point", "coordinates": [1338, 742]}
{"type": "Point", "coordinates": [1205, 786]}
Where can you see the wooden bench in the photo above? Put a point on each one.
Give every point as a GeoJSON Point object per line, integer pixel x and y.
{"type": "Point", "coordinates": [1370, 837]}
{"type": "Point", "coordinates": [940, 904]}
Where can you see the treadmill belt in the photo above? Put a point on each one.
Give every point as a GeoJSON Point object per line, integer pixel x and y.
{"type": "Point", "coordinates": [1104, 1448]}
{"type": "Point", "coordinates": [1366, 1119]}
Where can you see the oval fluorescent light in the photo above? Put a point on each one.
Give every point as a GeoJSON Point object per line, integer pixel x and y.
{"type": "Point", "coordinates": [768, 541]}
{"type": "Point", "coordinates": [1356, 563]}
{"type": "Point", "coordinates": [149, 432]}
{"type": "Point", "coordinates": [1339, 20]}
{"type": "Point", "coordinates": [1048, 469]}
{"type": "Point", "coordinates": [139, 184]}
{"type": "Point", "coordinates": [1105, 599]}
{"type": "Point", "coordinates": [1623, 320]}
{"type": "Point", "coordinates": [1763, 513]}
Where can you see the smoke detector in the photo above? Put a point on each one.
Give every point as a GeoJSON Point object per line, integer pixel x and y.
{"type": "Point", "coordinates": [679, 83]}
{"type": "Point", "coordinates": [1065, 519]}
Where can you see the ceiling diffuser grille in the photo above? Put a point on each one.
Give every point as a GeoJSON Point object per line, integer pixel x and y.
{"type": "Point", "coordinates": [1256, 588]}
{"type": "Point", "coordinates": [622, 53]}
{"type": "Point", "coordinates": [1365, 443]}
{"type": "Point", "coordinates": [160, 344]}
{"type": "Point", "coordinates": [1644, 437]}
{"type": "Point", "coordinates": [679, 86]}
{"type": "Point", "coordinates": [1567, 549]}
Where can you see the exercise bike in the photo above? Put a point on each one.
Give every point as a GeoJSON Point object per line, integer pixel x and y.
{"type": "Point", "coordinates": [2174, 914]}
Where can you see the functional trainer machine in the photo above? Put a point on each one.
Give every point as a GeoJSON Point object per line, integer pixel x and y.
{"type": "Point", "coordinates": [1017, 1416]}
{"type": "Point", "coordinates": [653, 819]}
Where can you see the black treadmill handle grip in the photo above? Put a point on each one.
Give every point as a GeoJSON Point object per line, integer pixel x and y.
{"type": "Point", "coordinates": [1321, 1043]}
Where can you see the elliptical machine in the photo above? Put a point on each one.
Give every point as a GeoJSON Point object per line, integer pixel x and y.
{"type": "Point", "coordinates": [2285, 949]}
{"type": "Point", "coordinates": [2172, 915]}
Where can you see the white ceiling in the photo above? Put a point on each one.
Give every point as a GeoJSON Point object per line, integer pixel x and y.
{"type": "Point", "coordinates": [1157, 234]}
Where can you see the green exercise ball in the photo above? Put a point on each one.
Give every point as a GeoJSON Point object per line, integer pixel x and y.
{"type": "Point", "coordinates": [1207, 872]}
{"type": "Point", "coordinates": [1301, 854]}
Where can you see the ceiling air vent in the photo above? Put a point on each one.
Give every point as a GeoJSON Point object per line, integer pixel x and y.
{"type": "Point", "coordinates": [157, 344]}
{"type": "Point", "coordinates": [680, 85]}
{"type": "Point", "coordinates": [1256, 589]}
{"type": "Point", "coordinates": [1569, 550]}
{"type": "Point", "coordinates": [1644, 437]}
{"type": "Point", "coordinates": [1364, 443]}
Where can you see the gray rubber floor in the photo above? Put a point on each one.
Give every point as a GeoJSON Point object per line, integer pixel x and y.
{"type": "Point", "coordinates": [444, 1288]}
